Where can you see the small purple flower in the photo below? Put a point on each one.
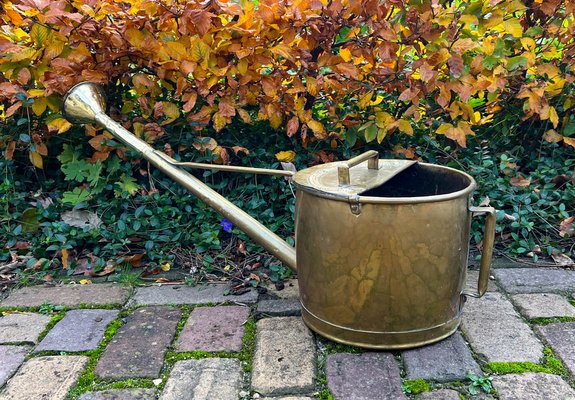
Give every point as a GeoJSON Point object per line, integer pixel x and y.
{"type": "Point", "coordinates": [226, 225]}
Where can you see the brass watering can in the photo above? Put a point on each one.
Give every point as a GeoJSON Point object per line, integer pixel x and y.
{"type": "Point", "coordinates": [382, 245]}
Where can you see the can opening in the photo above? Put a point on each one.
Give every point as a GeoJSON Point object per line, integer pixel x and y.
{"type": "Point", "coordinates": [421, 180]}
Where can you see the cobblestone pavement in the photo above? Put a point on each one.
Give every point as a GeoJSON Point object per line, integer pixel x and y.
{"type": "Point", "coordinates": [179, 342]}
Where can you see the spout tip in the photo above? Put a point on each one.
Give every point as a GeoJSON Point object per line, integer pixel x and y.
{"type": "Point", "coordinates": [83, 102]}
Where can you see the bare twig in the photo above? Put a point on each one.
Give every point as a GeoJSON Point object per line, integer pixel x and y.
{"type": "Point", "coordinates": [18, 262]}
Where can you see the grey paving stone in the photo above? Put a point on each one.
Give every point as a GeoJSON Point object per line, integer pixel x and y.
{"type": "Point", "coordinates": [79, 330]}
{"type": "Point", "coordinates": [284, 360]}
{"type": "Point", "coordinates": [496, 331]}
{"type": "Point", "coordinates": [67, 295]}
{"type": "Point", "coordinates": [207, 379]}
{"type": "Point", "coordinates": [138, 348]}
{"type": "Point", "coordinates": [11, 357]}
{"type": "Point", "coordinates": [22, 327]}
{"type": "Point", "coordinates": [120, 394]}
{"type": "Point", "coordinates": [44, 378]}
{"type": "Point", "coordinates": [543, 305]}
{"type": "Point", "coordinates": [447, 360]}
{"type": "Point", "coordinates": [176, 294]}
{"type": "Point", "coordinates": [535, 280]}
{"type": "Point", "coordinates": [214, 329]}
{"type": "Point", "coordinates": [290, 290]}
{"type": "Point", "coordinates": [364, 376]}
{"type": "Point", "coordinates": [442, 394]}
{"type": "Point", "coordinates": [279, 308]}
{"type": "Point", "coordinates": [473, 279]}
{"type": "Point", "coordinates": [532, 386]}
{"type": "Point", "coordinates": [561, 338]}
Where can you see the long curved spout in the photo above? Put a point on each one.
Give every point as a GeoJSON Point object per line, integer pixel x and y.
{"type": "Point", "coordinates": [85, 103]}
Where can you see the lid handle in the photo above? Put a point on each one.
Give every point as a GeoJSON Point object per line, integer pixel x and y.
{"type": "Point", "coordinates": [372, 158]}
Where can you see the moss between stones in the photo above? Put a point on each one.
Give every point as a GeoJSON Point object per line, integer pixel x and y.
{"type": "Point", "coordinates": [334, 347]}
{"type": "Point", "coordinates": [324, 394]}
{"type": "Point", "coordinates": [53, 321]}
{"type": "Point", "coordinates": [415, 386]}
{"type": "Point", "coordinates": [547, 321]}
{"type": "Point", "coordinates": [550, 364]}
{"type": "Point", "coordinates": [88, 380]}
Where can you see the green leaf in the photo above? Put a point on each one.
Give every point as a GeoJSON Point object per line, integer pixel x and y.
{"type": "Point", "coordinates": [30, 222]}
{"type": "Point", "coordinates": [69, 154]}
{"type": "Point", "coordinates": [127, 184]}
{"type": "Point", "coordinates": [93, 172]}
{"type": "Point", "coordinates": [75, 170]}
{"type": "Point", "coordinates": [490, 62]}
{"type": "Point", "coordinates": [113, 164]}
{"type": "Point", "coordinates": [76, 196]}
{"type": "Point", "coordinates": [516, 62]}
{"type": "Point", "coordinates": [371, 133]}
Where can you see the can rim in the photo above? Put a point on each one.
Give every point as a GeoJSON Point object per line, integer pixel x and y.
{"type": "Point", "coordinates": [358, 198]}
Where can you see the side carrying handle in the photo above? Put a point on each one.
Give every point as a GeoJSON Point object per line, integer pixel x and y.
{"type": "Point", "coordinates": [486, 252]}
{"type": "Point", "coordinates": [372, 158]}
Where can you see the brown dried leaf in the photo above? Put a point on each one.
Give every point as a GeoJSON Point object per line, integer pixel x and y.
{"type": "Point", "coordinates": [562, 260]}
{"type": "Point", "coordinates": [455, 63]}
{"type": "Point", "coordinates": [566, 228]}
{"type": "Point", "coordinates": [242, 247]}
{"type": "Point", "coordinates": [237, 149]}
{"type": "Point", "coordinates": [292, 126]}
{"type": "Point", "coordinates": [519, 181]}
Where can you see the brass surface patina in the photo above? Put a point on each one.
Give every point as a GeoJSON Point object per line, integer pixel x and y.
{"type": "Point", "coordinates": [382, 245]}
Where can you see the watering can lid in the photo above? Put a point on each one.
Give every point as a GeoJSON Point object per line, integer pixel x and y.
{"type": "Point", "coordinates": [328, 178]}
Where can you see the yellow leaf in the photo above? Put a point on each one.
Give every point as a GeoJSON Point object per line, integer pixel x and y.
{"type": "Point", "coordinates": [60, 125]}
{"type": "Point", "coordinates": [165, 266]}
{"type": "Point", "coordinates": [36, 159]}
{"type": "Point", "coordinates": [39, 106]}
{"type": "Point", "coordinates": [65, 255]}
{"type": "Point", "coordinates": [365, 100]}
{"type": "Point", "coordinates": [283, 50]}
{"type": "Point", "coordinates": [513, 26]}
{"type": "Point", "coordinates": [552, 136]}
{"type": "Point", "coordinates": [569, 141]}
{"type": "Point", "coordinates": [443, 128]}
{"type": "Point", "coordinates": [317, 128]}
{"type": "Point", "coordinates": [35, 93]}
{"type": "Point", "coordinates": [243, 66]}
{"type": "Point", "coordinates": [383, 119]}
{"type": "Point", "coordinates": [285, 156]}
{"type": "Point", "coordinates": [381, 134]}
{"type": "Point", "coordinates": [219, 121]}
{"type": "Point", "coordinates": [345, 54]}
{"type": "Point", "coordinates": [405, 127]}
{"type": "Point", "coordinates": [378, 100]}
{"type": "Point", "coordinates": [311, 85]}
{"type": "Point", "coordinates": [170, 111]}
{"type": "Point", "coordinates": [528, 43]}
{"type": "Point", "coordinates": [553, 117]}
{"type": "Point", "coordinates": [199, 50]}
{"type": "Point", "coordinates": [85, 282]}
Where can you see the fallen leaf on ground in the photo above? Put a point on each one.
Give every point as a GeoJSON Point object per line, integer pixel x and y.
{"type": "Point", "coordinates": [562, 260]}
{"type": "Point", "coordinates": [81, 219]}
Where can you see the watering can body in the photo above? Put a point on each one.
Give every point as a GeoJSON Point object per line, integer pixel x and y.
{"type": "Point", "coordinates": [381, 264]}
{"type": "Point", "coordinates": [389, 272]}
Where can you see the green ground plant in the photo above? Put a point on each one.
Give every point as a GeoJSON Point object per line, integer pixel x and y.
{"type": "Point", "coordinates": [415, 386]}
{"type": "Point", "coordinates": [550, 365]}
